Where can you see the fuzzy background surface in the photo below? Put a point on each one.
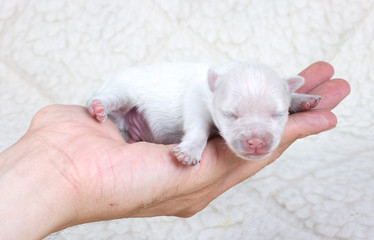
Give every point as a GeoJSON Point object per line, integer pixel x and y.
{"type": "Point", "coordinates": [54, 51]}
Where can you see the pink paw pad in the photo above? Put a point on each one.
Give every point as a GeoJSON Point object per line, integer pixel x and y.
{"type": "Point", "coordinates": [184, 158]}
{"type": "Point", "coordinates": [97, 110]}
{"type": "Point", "coordinates": [310, 103]}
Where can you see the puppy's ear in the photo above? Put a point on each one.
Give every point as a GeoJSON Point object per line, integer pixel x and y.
{"type": "Point", "coordinates": [294, 83]}
{"type": "Point", "coordinates": [212, 79]}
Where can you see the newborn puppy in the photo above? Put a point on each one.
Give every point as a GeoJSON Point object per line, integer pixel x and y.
{"type": "Point", "coordinates": [186, 103]}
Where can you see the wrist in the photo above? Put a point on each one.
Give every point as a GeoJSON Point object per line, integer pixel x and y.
{"type": "Point", "coordinates": [34, 200]}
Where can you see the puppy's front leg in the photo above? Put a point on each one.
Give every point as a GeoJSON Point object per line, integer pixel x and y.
{"type": "Point", "coordinates": [189, 151]}
{"type": "Point", "coordinates": [303, 102]}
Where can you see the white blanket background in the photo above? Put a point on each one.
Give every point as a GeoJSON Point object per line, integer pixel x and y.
{"type": "Point", "coordinates": [54, 51]}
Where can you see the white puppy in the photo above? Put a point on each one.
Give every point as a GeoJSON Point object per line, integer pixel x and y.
{"type": "Point", "coordinates": [186, 103]}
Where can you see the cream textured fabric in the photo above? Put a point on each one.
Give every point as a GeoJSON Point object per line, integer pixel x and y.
{"type": "Point", "coordinates": [54, 51]}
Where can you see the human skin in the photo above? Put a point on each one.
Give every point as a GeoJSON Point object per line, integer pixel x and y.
{"type": "Point", "coordinates": [70, 169]}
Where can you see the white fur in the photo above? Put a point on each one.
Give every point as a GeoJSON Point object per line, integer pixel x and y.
{"type": "Point", "coordinates": [184, 102]}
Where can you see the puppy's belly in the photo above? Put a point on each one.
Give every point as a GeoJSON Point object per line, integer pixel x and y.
{"type": "Point", "coordinates": [141, 128]}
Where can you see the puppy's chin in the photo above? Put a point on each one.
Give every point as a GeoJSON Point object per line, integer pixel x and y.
{"type": "Point", "coordinates": [256, 156]}
{"type": "Point", "coordinates": [246, 155]}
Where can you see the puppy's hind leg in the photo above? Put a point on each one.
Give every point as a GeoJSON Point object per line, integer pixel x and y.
{"type": "Point", "coordinates": [97, 110]}
{"type": "Point", "coordinates": [109, 97]}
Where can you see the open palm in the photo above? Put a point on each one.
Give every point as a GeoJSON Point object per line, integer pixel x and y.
{"type": "Point", "coordinates": [109, 178]}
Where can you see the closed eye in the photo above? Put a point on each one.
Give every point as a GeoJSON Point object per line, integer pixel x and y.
{"type": "Point", "coordinates": [279, 114]}
{"type": "Point", "coordinates": [229, 115]}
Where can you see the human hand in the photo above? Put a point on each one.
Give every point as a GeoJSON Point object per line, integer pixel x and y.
{"type": "Point", "coordinates": [87, 172]}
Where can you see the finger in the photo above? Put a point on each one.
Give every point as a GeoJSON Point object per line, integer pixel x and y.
{"type": "Point", "coordinates": [303, 124]}
{"type": "Point", "coordinates": [315, 74]}
{"type": "Point", "coordinates": [332, 93]}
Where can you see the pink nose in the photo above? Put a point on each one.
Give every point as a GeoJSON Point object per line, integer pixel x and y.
{"type": "Point", "coordinates": [255, 143]}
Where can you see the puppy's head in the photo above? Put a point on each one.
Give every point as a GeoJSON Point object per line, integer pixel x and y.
{"type": "Point", "coordinates": [250, 106]}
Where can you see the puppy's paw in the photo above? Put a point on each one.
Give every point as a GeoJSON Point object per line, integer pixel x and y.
{"type": "Point", "coordinates": [304, 102]}
{"type": "Point", "coordinates": [97, 110]}
{"type": "Point", "coordinates": [185, 157]}
{"type": "Point", "coordinates": [310, 103]}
